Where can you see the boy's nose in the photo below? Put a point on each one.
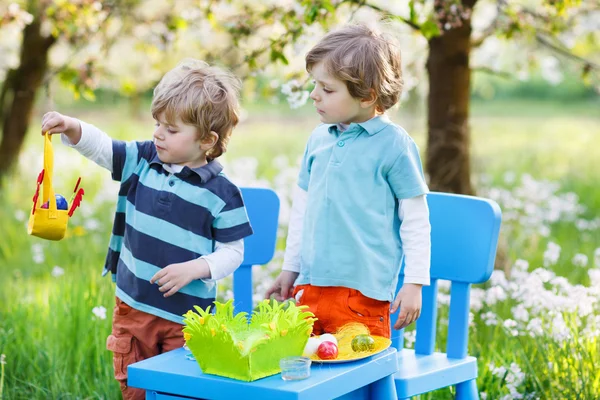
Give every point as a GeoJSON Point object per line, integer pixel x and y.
{"type": "Point", "coordinates": [313, 95]}
{"type": "Point", "coordinates": [158, 135]}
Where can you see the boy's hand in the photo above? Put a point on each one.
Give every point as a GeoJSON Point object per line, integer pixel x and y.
{"type": "Point", "coordinates": [409, 300]}
{"type": "Point", "coordinates": [53, 122]}
{"type": "Point", "coordinates": [175, 276]}
{"type": "Point", "coordinates": [283, 286]}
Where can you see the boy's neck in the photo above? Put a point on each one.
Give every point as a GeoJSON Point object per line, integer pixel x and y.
{"type": "Point", "coordinates": [178, 167]}
{"type": "Point", "coordinates": [363, 117]}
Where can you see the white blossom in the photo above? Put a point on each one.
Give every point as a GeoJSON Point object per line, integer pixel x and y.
{"type": "Point", "coordinates": [580, 260]}
{"type": "Point", "coordinates": [551, 254]}
{"type": "Point", "coordinates": [99, 312]}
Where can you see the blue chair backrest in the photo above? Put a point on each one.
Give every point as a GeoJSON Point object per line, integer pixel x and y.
{"type": "Point", "coordinates": [464, 237]}
{"type": "Point", "coordinates": [262, 206]}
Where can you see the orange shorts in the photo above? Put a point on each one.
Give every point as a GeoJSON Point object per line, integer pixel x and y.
{"type": "Point", "coordinates": [136, 336]}
{"type": "Point", "coordinates": [336, 306]}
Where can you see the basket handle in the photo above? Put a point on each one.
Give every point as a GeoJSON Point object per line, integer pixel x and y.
{"type": "Point", "coordinates": [48, 190]}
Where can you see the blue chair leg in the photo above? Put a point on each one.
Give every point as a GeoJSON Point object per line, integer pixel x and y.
{"type": "Point", "coordinates": [150, 395]}
{"type": "Point", "coordinates": [467, 390]}
{"type": "Point", "coordinates": [383, 389]}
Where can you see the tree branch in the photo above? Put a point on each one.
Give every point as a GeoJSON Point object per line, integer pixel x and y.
{"type": "Point", "coordinates": [561, 50]}
{"type": "Point", "coordinates": [493, 72]}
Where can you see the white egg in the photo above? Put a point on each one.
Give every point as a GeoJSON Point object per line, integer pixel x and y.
{"type": "Point", "coordinates": [328, 337]}
{"type": "Point", "coordinates": [311, 346]}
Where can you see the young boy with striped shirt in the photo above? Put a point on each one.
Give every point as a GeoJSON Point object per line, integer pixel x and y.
{"type": "Point", "coordinates": [179, 221]}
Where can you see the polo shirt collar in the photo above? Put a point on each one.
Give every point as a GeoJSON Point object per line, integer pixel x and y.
{"type": "Point", "coordinates": [372, 126]}
{"type": "Point", "coordinates": [205, 172]}
{"type": "Point", "coordinates": [375, 124]}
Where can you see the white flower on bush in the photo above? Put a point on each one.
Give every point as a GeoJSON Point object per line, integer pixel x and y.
{"type": "Point", "coordinates": [99, 312]}
{"type": "Point", "coordinates": [296, 95]}
{"type": "Point", "coordinates": [489, 318]}
{"type": "Point", "coordinates": [520, 313]}
{"type": "Point", "coordinates": [410, 338]}
{"type": "Point", "coordinates": [57, 271]}
{"type": "Point", "coordinates": [476, 299]}
{"type": "Point", "coordinates": [520, 265]}
{"type": "Point", "coordinates": [509, 177]}
{"type": "Point", "coordinates": [510, 326]}
{"type": "Point", "coordinates": [535, 327]}
{"type": "Point", "coordinates": [551, 254]}
{"type": "Point", "coordinates": [443, 299]}
{"type": "Point", "coordinates": [594, 275]}
{"type": "Point", "coordinates": [544, 231]}
{"type": "Point", "coordinates": [498, 278]}
{"type": "Point", "coordinates": [495, 294]}
{"type": "Point", "coordinates": [580, 260]}
{"type": "Point", "coordinates": [597, 257]}
{"type": "Point", "coordinates": [497, 371]}
{"type": "Point", "coordinates": [37, 251]}
{"type": "Point", "coordinates": [514, 378]}
{"type": "Point", "coordinates": [560, 331]}
{"type": "Point", "coordinates": [92, 224]}
{"type": "Point", "coordinates": [20, 215]}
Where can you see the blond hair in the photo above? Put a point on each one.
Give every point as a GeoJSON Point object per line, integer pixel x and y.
{"type": "Point", "coordinates": [202, 96]}
{"type": "Point", "coordinates": [365, 60]}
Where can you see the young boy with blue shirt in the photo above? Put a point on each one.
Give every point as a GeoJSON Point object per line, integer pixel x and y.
{"type": "Point", "coordinates": [359, 208]}
{"type": "Point", "coordinates": [179, 222]}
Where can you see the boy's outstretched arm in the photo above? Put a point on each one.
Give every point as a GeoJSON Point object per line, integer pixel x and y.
{"type": "Point", "coordinates": [283, 286]}
{"type": "Point", "coordinates": [415, 234]}
{"type": "Point", "coordinates": [88, 140]}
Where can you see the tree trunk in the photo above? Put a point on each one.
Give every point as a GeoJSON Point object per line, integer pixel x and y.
{"type": "Point", "coordinates": [448, 157]}
{"type": "Point", "coordinates": [20, 89]}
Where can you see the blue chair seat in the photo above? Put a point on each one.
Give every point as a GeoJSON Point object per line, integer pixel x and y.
{"type": "Point", "coordinates": [419, 373]}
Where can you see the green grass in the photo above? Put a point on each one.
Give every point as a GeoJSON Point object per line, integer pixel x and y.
{"type": "Point", "coordinates": [55, 347]}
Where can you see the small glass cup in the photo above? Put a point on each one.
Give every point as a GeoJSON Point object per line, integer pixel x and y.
{"type": "Point", "coordinates": [295, 368]}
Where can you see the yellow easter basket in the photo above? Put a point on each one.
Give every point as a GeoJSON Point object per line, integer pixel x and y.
{"type": "Point", "coordinates": [46, 220]}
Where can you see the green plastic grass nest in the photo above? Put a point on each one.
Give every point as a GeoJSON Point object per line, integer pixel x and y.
{"type": "Point", "coordinates": [226, 345]}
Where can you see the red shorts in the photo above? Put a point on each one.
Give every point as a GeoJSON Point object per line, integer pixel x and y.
{"type": "Point", "coordinates": [136, 336]}
{"type": "Point", "coordinates": [336, 306]}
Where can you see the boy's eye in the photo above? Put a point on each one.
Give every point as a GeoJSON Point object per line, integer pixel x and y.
{"type": "Point", "coordinates": [327, 90]}
{"type": "Point", "coordinates": [171, 131]}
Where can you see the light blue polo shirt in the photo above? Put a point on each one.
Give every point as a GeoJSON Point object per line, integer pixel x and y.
{"type": "Point", "coordinates": [351, 227]}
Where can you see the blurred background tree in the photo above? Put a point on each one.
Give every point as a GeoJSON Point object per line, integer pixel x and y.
{"type": "Point", "coordinates": [445, 28]}
{"type": "Point", "coordinates": [79, 35]}
{"type": "Point", "coordinates": [126, 46]}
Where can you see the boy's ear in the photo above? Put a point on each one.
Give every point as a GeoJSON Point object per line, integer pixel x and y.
{"type": "Point", "coordinates": [370, 100]}
{"type": "Point", "coordinates": [209, 141]}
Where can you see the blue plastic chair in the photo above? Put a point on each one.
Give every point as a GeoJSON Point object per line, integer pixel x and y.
{"type": "Point", "coordinates": [464, 236]}
{"type": "Point", "coordinates": [263, 211]}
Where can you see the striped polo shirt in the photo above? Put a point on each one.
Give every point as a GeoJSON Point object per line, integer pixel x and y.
{"type": "Point", "coordinates": [162, 219]}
